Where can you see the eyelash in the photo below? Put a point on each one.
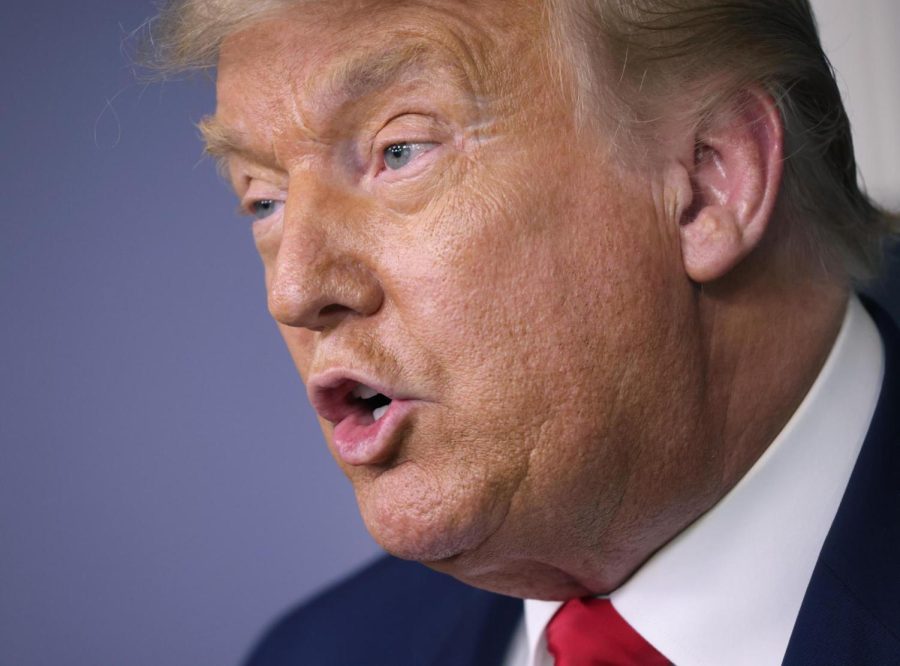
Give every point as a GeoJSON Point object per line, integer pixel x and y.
{"type": "Point", "coordinates": [256, 207]}
{"type": "Point", "coordinates": [415, 149]}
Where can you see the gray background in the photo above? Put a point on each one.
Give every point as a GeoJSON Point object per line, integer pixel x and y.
{"type": "Point", "coordinates": [164, 490]}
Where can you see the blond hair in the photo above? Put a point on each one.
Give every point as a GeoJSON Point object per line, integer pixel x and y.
{"type": "Point", "coordinates": [653, 56]}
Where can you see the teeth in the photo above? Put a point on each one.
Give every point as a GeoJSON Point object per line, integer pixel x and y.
{"type": "Point", "coordinates": [381, 411]}
{"type": "Point", "coordinates": [363, 392]}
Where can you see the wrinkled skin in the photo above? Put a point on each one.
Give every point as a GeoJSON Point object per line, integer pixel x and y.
{"type": "Point", "coordinates": [516, 279]}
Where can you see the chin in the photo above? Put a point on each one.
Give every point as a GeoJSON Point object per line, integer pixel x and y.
{"type": "Point", "coordinates": [501, 569]}
{"type": "Point", "coordinates": [414, 517]}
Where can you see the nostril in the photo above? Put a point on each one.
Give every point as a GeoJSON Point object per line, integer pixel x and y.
{"type": "Point", "coordinates": [333, 309]}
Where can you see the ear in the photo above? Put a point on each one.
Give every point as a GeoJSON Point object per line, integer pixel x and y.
{"type": "Point", "coordinates": [736, 175]}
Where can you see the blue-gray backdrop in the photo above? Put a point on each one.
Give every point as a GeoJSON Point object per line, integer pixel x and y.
{"type": "Point", "coordinates": [164, 490]}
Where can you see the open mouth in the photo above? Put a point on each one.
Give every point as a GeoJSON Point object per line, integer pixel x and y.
{"type": "Point", "coordinates": [366, 418]}
{"type": "Point", "coordinates": [346, 398]}
{"type": "Point", "coordinates": [369, 402]}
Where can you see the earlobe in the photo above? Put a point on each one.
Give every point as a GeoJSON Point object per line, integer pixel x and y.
{"type": "Point", "coordinates": [736, 175]}
{"type": "Point", "coordinates": [711, 244]}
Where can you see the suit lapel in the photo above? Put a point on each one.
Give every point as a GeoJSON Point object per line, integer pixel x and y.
{"type": "Point", "coordinates": [851, 611]}
{"type": "Point", "coordinates": [479, 631]}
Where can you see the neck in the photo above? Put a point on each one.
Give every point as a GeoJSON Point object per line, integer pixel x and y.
{"type": "Point", "coordinates": [767, 334]}
{"type": "Point", "coordinates": [757, 342]}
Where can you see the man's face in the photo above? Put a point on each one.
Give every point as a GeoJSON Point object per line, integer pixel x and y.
{"type": "Point", "coordinates": [434, 227]}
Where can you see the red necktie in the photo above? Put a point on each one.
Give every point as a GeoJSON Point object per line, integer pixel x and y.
{"type": "Point", "coordinates": [589, 632]}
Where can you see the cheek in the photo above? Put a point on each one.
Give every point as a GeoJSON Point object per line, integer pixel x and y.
{"type": "Point", "coordinates": [513, 293]}
{"type": "Point", "coordinates": [537, 308]}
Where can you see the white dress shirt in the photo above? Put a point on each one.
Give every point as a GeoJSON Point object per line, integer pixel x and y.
{"type": "Point", "coordinates": [728, 589]}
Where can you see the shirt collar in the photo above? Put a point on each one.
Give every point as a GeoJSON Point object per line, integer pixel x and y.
{"type": "Point", "coordinates": [728, 589]}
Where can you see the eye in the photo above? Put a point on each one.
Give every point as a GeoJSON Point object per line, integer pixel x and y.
{"type": "Point", "coordinates": [398, 155]}
{"type": "Point", "coordinates": [263, 208]}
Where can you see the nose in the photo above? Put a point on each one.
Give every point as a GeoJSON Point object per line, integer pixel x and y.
{"type": "Point", "coordinates": [320, 275]}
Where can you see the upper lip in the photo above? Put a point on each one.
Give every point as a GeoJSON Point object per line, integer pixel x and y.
{"type": "Point", "coordinates": [329, 392]}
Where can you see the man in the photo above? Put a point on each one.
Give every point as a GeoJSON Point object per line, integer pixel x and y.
{"type": "Point", "coordinates": [570, 286]}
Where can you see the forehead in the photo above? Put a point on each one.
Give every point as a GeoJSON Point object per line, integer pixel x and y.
{"type": "Point", "coordinates": [322, 28]}
{"type": "Point", "coordinates": [319, 53]}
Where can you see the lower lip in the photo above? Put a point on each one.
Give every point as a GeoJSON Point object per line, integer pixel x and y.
{"type": "Point", "coordinates": [361, 441]}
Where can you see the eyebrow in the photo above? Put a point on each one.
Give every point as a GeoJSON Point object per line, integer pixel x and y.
{"type": "Point", "coordinates": [353, 77]}
{"type": "Point", "coordinates": [220, 140]}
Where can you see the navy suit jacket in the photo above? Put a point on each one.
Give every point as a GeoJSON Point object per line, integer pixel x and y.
{"type": "Point", "coordinates": [397, 613]}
